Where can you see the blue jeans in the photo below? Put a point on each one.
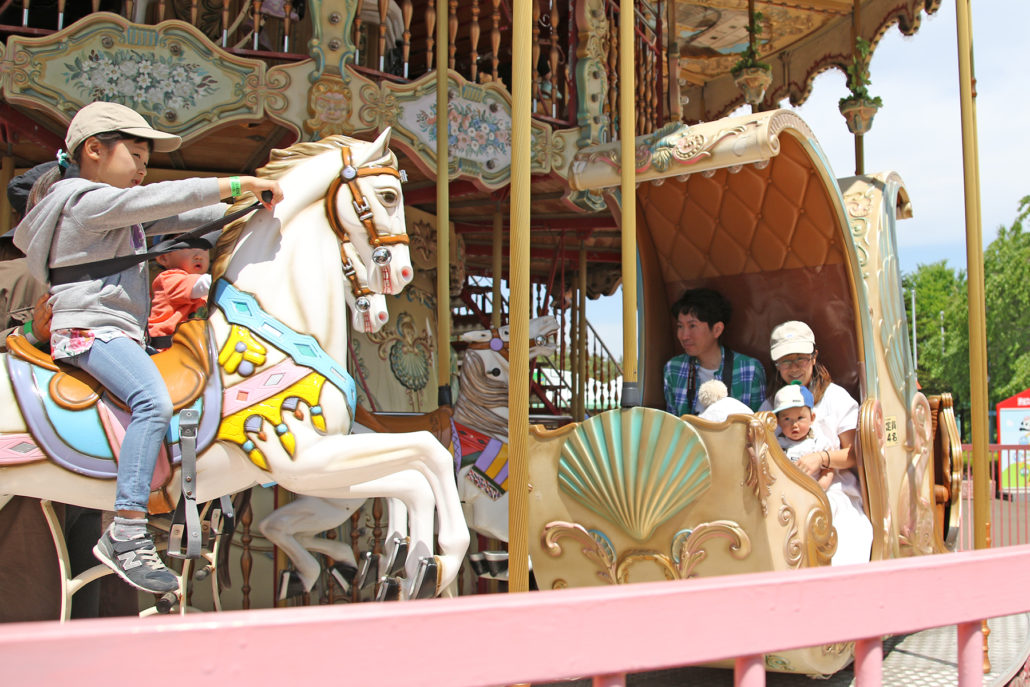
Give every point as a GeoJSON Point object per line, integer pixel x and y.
{"type": "Point", "coordinates": [126, 370]}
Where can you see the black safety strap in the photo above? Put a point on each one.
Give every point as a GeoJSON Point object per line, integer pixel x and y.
{"type": "Point", "coordinates": [99, 269]}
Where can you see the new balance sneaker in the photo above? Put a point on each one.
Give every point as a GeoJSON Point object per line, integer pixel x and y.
{"type": "Point", "coordinates": [136, 561]}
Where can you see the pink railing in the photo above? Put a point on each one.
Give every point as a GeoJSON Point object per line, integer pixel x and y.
{"type": "Point", "coordinates": [496, 639]}
{"type": "Point", "coordinates": [1010, 496]}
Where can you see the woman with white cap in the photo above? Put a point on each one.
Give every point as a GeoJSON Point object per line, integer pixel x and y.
{"type": "Point", "coordinates": [793, 351]}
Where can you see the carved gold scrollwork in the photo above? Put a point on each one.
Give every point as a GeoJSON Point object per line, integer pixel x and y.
{"type": "Point", "coordinates": [593, 547]}
{"type": "Point", "coordinates": [688, 553]}
{"type": "Point", "coordinates": [916, 499]}
{"type": "Point", "coordinates": [687, 550]}
{"type": "Point", "coordinates": [793, 551]}
{"type": "Point", "coordinates": [871, 444]}
{"type": "Point", "coordinates": [821, 537]}
{"type": "Point", "coordinates": [631, 558]}
{"type": "Point", "coordinates": [816, 545]}
{"type": "Point", "coordinates": [757, 478]}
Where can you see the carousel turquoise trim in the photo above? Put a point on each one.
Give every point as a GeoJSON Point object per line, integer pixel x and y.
{"type": "Point", "coordinates": [242, 309]}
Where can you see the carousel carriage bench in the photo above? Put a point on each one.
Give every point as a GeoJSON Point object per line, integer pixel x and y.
{"type": "Point", "coordinates": [748, 206]}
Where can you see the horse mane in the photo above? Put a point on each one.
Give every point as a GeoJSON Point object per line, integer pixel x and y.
{"type": "Point", "coordinates": [280, 161]}
{"type": "Point", "coordinates": [477, 394]}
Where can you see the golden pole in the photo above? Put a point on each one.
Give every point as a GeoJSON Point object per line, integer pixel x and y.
{"type": "Point", "coordinates": [443, 213]}
{"type": "Point", "coordinates": [974, 269]}
{"type": "Point", "coordinates": [581, 355]}
{"type": "Point", "coordinates": [518, 312]}
{"type": "Point", "coordinates": [497, 267]}
{"type": "Point", "coordinates": [6, 174]}
{"type": "Point", "coordinates": [628, 188]}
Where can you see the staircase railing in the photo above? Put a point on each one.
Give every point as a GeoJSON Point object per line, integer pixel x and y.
{"type": "Point", "coordinates": [553, 379]}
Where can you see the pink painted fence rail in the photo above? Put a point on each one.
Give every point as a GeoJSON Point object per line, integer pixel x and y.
{"type": "Point", "coordinates": [538, 637]}
{"type": "Point", "coordinates": [1010, 496]}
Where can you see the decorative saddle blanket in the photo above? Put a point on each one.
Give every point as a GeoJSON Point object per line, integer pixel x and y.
{"type": "Point", "coordinates": [74, 421]}
{"type": "Point", "coordinates": [488, 458]}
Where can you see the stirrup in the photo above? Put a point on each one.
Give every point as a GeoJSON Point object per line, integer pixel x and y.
{"type": "Point", "coordinates": [186, 520]}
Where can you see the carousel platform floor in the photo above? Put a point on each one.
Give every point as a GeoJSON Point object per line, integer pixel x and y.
{"type": "Point", "coordinates": [921, 659]}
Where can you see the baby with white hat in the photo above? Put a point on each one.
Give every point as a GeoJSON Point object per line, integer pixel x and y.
{"type": "Point", "coordinates": [795, 414]}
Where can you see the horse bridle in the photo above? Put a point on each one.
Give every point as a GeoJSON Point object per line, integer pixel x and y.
{"type": "Point", "coordinates": [499, 345]}
{"type": "Point", "coordinates": [381, 256]}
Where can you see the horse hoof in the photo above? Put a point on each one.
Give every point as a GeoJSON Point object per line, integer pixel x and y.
{"type": "Point", "coordinates": [478, 563]}
{"type": "Point", "coordinates": [202, 573]}
{"type": "Point", "coordinates": [389, 589]}
{"type": "Point", "coordinates": [165, 604]}
{"type": "Point", "coordinates": [427, 579]}
{"type": "Point", "coordinates": [344, 574]}
{"type": "Point", "coordinates": [369, 570]}
{"type": "Point", "coordinates": [397, 556]}
{"type": "Point", "coordinates": [290, 586]}
{"type": "Point", "coordinates": [496, 562]}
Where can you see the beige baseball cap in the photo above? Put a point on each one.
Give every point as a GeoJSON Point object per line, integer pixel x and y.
{"type": "Point", "coordinates": [100, 117]}
{"type": "Point", "coordinates": [791, 337]}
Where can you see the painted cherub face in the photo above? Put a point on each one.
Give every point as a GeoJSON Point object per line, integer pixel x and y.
{"type": "Point", "coordinates": [795, 423]}
{"type": "Point", "coordinates": [192, 260]}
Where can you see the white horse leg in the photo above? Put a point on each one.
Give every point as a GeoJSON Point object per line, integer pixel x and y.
{"type": "Point", "coordinates": [306, 515]}
{"type": "Point", "coordinates": [332, 466]}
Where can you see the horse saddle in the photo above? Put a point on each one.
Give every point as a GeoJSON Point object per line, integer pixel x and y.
{"type": "Point", "coordinates": [79, 425]}
{"type": "Point", "coordinates": [184, 367]}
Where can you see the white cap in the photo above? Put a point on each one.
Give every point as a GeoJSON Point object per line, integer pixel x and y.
{"type": "Point", "coordinates": [793, 396]}
{"type": "Point", "coordinates": [100, 117]}
{"type": "Point", "coordinates": [791, 337]}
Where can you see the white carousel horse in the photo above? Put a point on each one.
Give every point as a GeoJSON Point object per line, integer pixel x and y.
{"type": "Point", "coordinates": [480, 425]}
{"type": "Point", "coordinates": [295, 526]}
{"type": "Point", "coordinates": [481, 416]}
{"type": "Point", "coordinates": [275, 342]}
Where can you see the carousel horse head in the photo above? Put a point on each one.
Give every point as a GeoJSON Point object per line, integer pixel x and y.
{"type": "Point", "coordinates": [365, 202]}
{"type": "Point", "coordinates": [336, 190]}
{"type": "Point", "coordinates": [368, 310]}
{"type": "Point", "coordinates": [491, 346]}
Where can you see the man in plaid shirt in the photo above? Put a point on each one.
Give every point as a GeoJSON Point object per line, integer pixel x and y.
{"type": "Point", "coordinates": [701, 317]}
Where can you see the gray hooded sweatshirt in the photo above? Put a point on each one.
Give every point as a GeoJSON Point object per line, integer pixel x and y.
{"type": "Point", "coordinates": [82, 221]}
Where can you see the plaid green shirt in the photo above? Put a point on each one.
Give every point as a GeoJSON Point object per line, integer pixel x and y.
{"type": "Point", "coordinates": [748, 385]}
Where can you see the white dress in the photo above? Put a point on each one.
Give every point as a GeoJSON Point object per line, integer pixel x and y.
{"type": "Point", "coordinates": [835, 413]}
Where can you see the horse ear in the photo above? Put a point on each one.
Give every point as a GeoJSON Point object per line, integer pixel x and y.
{"type": "Point", "coordinates": [477, 336]}
{"type": "Point", "coordinates": [382, 142]}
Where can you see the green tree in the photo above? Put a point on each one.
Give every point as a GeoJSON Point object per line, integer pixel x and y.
{"type": "Point", "coordinates": [1007, 297]}
{"type": "Point", "coordinates": [942, 329]}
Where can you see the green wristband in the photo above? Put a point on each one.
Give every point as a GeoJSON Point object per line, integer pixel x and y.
{"type": "Point", "coordinates": [26, 329]}
{"type": "Point", "coordinates": [234, 186]}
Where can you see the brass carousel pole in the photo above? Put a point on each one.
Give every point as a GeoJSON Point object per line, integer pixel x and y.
{"type": "Point", "coordinates": [856, 33]}
{"type": "Point", "coordinates": [443, 213]}
{"type": "Point", "coordinates": [497, 267]}
{"type": "Point", "coordinates": [581, 342]}
{"type": "Point", "coordinates": [518, 312]}
{"type": "Point", "coordinates": [628, 189]}
{"type": "Point", "coordinates": [975, 271]}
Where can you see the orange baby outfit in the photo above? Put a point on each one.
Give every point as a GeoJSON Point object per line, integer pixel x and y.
{"type": "Point", "coordinates": [172, 302]}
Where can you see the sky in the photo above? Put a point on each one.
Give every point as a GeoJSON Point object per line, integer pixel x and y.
{"type": "Point", "coordinates": [917, 134]}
